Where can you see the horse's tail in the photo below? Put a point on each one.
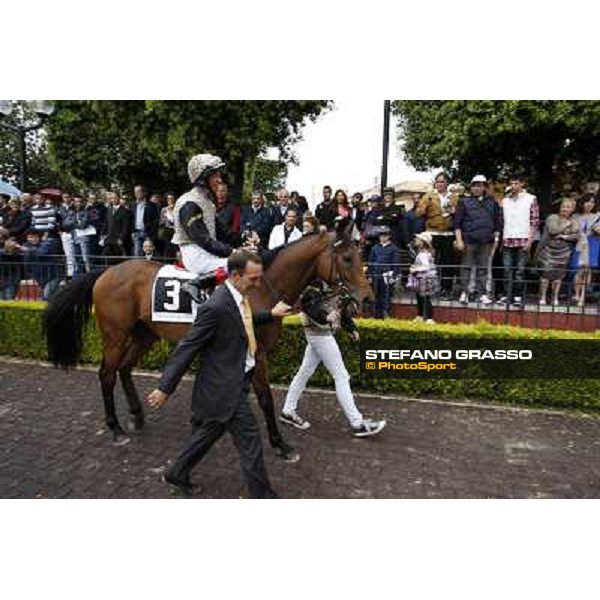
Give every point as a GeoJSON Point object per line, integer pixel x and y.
{"type": "Point", "coordinates": [66, 317]}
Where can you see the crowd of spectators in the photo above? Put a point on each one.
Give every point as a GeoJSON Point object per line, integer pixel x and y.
{"type": "Point", "coordinates": [50, 237]}
{"type": "Point", "coordinates": [482, 243]}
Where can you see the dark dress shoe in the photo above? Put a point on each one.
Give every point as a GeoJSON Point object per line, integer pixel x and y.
{"type": "Point", "coordinates": [185, 486]}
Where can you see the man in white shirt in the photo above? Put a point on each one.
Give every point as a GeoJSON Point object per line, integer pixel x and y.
{"type": "Point", "coordinates": [286, 232]}
{"type": "Point", "coordinates": [521, 221]}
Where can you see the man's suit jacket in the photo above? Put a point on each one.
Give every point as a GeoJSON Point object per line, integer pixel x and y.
{"type": "Point", "coordinates": [218, 335]}
{"type": "Point", "coordinates": [151, 219]}
{"type": "Point", "coordinates": [118, 227]}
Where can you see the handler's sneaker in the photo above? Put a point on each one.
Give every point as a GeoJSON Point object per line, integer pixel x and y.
{"type": "Point", "coordinates": [294, 419]}
{"type": "Point", "coordinates": [368, 427]}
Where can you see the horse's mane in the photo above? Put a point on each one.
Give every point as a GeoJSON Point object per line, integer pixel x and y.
{"type": "Point", "coordinates": [269, 256]}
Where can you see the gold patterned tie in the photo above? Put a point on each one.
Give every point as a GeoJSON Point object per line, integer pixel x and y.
{"type": "Point", "coordinates": [248, 326]}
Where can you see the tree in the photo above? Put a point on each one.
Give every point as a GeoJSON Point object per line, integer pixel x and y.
{"type": "Point", "coordinates": [123, 142]}
{"type": "Point", "coordinates": [548, 140]}
{"type": "Point", "coordinates": [39, 171]}
{"type": "Point", "coordinates": [267, 176]}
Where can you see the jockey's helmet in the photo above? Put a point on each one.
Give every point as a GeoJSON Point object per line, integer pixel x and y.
{"type": "Point", "coordinates": [202, 165]}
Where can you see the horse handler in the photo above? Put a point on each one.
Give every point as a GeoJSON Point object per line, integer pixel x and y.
{"type": "Point", "coordinates": [323, 313]}
{"type": "Point", "coordinates": [224, 333]}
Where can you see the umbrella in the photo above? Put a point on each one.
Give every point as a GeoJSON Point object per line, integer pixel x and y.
{"type": "Point", "coordinates": [8, 189]}
{"type": "Point", "coordinates": [51, 193]}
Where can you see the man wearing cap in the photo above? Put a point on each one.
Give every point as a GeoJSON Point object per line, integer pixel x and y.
{"type": "Point", "coordinates": [392, 216]}
{"type": "Point", "coordinates": [195, 226]}
{"type": "Point", "coordinates": [478, 223]}
{"type": "Point", "coordinates": [372, 223]}
{"type": "Point", "coordinates": [438, 208]}
{"type": "Point", "coordinates": [384, 270]}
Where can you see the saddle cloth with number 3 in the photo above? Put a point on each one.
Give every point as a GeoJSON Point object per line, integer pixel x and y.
{"type": "Point", "coordinates": [169, 303]}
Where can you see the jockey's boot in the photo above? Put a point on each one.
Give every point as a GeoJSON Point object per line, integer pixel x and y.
{"type": "Point", "coordinates": [194, 287]}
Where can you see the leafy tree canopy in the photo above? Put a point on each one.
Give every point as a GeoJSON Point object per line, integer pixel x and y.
{"type": "Point", "coordinates": [122, 142]}
{"type": "Point", "coordinates": [549, 140]}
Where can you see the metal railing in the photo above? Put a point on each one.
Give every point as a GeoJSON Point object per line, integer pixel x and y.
{"type": "Point", "coordinates": [34, 278]}
{"type": "Point", "coordinates": [24, 277]}
{"type": "Point", "coordinates": [497, 294]}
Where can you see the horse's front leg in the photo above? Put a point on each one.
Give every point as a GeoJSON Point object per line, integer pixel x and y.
{"type": "Point", "coordinates": [262, 389]}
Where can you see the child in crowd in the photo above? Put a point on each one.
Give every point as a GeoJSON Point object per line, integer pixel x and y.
{"type": "Point", "coordinates": [424, 277]}
{"type": "Point", "coordinates": [384, 270]}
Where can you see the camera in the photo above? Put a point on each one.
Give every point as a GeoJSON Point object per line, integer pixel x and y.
{"type": "Point", "coordinates": [247, 232]}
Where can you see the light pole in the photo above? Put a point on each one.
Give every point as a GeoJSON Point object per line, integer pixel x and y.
{"type": "Point", "coordinates": [43, 109]}
{"type": "Point", "coordinates": [386, 144]}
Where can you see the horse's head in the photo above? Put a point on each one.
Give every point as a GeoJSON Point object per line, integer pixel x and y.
{"type": "Point", "coordinates": [340, 266]}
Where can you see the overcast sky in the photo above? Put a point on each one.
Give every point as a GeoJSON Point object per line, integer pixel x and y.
{"type": "Point", "coordinates": [343, 149]}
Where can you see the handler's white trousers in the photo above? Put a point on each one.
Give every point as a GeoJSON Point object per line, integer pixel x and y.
{"type": "Point", "coordinates": [199, 261]}
{"type": "Point", "coordinates": [324, 349]}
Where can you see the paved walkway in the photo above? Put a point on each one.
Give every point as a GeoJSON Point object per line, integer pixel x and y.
{"type": "Point", "coordinates": [53, 443]}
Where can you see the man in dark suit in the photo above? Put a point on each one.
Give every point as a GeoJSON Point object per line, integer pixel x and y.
{"type": "Point", "coordinates": [117, 228]}
{"type": "Point", "coordinates": [223, 333]}
{"type": "Point", "coordinates": [258, 218]}
{"type": "Point", "coordinates": [145, 220]}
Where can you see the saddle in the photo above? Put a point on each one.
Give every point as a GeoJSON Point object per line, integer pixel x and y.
{"type": "Point", "coordinates": [171, 303]}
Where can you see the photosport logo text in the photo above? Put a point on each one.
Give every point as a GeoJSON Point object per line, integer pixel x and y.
{"type": "Point", "coordinates": [482, 358]}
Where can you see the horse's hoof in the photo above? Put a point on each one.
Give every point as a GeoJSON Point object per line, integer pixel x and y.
{"type": "Point", "coordinates": [292, 457]}
{"type": "Point", "coordinates": [289, 455]}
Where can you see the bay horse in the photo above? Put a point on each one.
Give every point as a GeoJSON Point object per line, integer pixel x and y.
{"type": "Point", "coordinates": [122, 296]}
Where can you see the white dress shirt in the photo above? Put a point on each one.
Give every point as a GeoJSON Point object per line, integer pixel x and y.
{"type": "Point", "coordinates": [139, 216]}
{"type": "Point", "coordinates": [277, 237]}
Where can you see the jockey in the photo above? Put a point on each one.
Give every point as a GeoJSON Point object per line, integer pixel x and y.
{"type": "Point", "coordinates": [195, 226]}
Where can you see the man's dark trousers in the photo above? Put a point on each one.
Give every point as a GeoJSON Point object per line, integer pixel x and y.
{"type": "Point", "coordinates": [244, 430]}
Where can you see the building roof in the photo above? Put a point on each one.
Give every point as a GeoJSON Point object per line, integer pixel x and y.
{"type": "Point", "coordinates": [411, 187]}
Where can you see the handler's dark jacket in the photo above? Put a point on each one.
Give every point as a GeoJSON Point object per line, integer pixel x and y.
{"type": "Point", "coordinates": [318, 301]}
{"type": "Point", "coordinates": [219, 338]}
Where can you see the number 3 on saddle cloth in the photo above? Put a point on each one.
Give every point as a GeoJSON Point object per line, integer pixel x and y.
{"type": "Point", "coordinates": [170, 304]}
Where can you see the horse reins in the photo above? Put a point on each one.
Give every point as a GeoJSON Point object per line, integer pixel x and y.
{"type": "Point", "coordinates": [338, 285]}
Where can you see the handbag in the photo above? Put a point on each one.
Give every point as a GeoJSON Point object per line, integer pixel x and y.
{"type": "Point", "coordinates": [412, 283]}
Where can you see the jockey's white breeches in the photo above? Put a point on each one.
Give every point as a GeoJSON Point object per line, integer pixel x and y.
{"type": "Point", "coordinates": [198, 260]}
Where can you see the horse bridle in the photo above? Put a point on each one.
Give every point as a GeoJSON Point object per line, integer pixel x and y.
{"type": "Point", "coordinates": [338, 287]}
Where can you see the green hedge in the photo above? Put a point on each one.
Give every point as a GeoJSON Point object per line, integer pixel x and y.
{"type": "Point", "coordinates": [20, 335]}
